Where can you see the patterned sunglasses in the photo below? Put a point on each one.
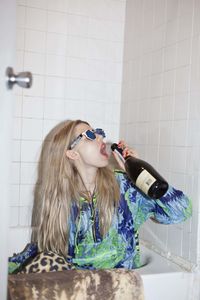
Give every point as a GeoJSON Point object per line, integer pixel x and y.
{"type": "Point", "coordinates": [90, 134]}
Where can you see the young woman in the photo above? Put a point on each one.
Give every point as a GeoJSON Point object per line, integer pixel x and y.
{"type": "Point", "coordinates": [87, 213]}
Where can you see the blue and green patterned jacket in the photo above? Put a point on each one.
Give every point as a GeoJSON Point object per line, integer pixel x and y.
{"type": "Point", "coordinates": [120, 246]}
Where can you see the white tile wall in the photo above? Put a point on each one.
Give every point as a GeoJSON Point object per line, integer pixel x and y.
{"type": "Point", "coordinates": [167, 49]}
{"type": "Point", "coordinates": [75, 51]}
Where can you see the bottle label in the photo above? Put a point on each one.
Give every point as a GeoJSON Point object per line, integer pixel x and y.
{"type": "Point", "coordinates": [145, 181]}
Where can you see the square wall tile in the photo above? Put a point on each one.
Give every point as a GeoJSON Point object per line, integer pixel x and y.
{"type": "Point", "coordinates": [20, 35]}
{"type": "Point", "coordinates": [165, 133]}
{"type": "Point", "coordinates": [174, 244]}
{"type": "Point", "coordinates": [54, 109]}
{"type": "Point", "coordinates": [153, 133]}
{"type": "Point", "coordinates": [37, 3]}
{"type": "Point", "coordinates": [143, 90]}
{"type": "Point", "coordinates": [59, 5]}
{"type": "Point", "coordinates": [194, 110]}
{"type": "Point", "coordinates": [182, 80]}
{"type": "Point", "coordinates": [57, 22]}
{"type": "Point", "coordinates": [28, 173]}
{"type": "Point", "coordinates": [35, 41]}
{"type": "Point", "coordinates": [33, 107]}
{"type": "Point", "coordinates": [193, 156]}
{"type": "Point", "coordinates": [54, 87]}
{"type": "Point", "coordinates": [154, 109]}
{"type": "Point", "coordinates": [98, 49]}
{"type": "Point", "coordinates": [179, 155]}
{"type": "Point", "coordinates": [172, 9]}
{"type": "Point", "coordinates": [171, 32]}
{"type": "Point", "coordinates": [75, 88]}
{"type": "Point", "coordinates": [185, 26]}
{"type": "Point", "coordinates": [34, 62]}
{"type": "Point", "coordinates": [19, 62]}
{"type": "Point", "coordinates": [30, 151]}
{"type": "Point", "coordinates": [95, 110]}
{"type": "Point", "coordinates": [168, 82]}
{"type": "Point", "coordinates": [78, 25]}
{"type": "Point", "coordinates": [55, 43]}
{"type": "Point", "coordinates": [179, 132]}
{"type": "Point", "coordinates": [152, 155]}
{"type": "Point", "coordinates": [164, 159]}
{"type": "Point", "coordinates": [170, 54]}
{"type": "Point", "coordinates": [25, 213]}
{"type": "Point", "coordinates": [183, 53]}
{"type": "Point", "coordinates": [193, 138]}
{"type": "Point", "coordinates": [14, 195]}
{"type": "Point", "coordinates": [167, 108]}
{"type": "Point", "coordinates": [26, 195]}
{"type": "Point", "coordinates": [195, 60]}
{"type": "Point", "coordinates": [20, 16]}
{"type": "Point", "coordinates": [78, 8]}
{"type": "Point", "coordinates": [55, 65]}
{"type": "Point", "coordinates": [77, 46]}
{"type": "Point", "coordinates": [157, 61]}
{"type": "Point", "coordinates": [181, 106]}
{"type": "Point", "coordinates": [17, 106]}
{"type": "Point", "coordinates": [186, 8]}
{"type": "Point", "coordinates": [113, 71]}
{"type": "Point", "coordinates": [77, 68]}
{"type": "Point", "coordinates": [32, 129]}
{"type": "Point", "coordinates": [178, 181]}
{"type": "Point", "coordinates": [17, 123]}
{"type": "Point", "coordinates": [36, 19]}
{"type": "Point", "coordinates": [14, 214]}
{"type": "Point", "coordinates": [156, 85]}
{"type": "Point", "coordinates": [15, 150]}
{"type": "Point", "coordinates": [196, 20]}
{"type": "Point", "coordinates": [146, 66]}
{"type": "Point", "coordinates": [15, 173]}
{"type": "Point", "coordinates": [96, 91]}
{"type": "Point", "coordinates": [160, 12]}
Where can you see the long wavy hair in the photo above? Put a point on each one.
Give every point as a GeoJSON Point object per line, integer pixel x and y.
{"type": "Point", "coordinates": [59, 185]}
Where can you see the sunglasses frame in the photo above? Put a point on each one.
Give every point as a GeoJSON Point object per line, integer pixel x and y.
{"type": "Point", "coordinates": [98, 131]}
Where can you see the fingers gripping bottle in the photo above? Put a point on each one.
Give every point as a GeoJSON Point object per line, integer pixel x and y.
{"type": "Point", "coordinates": [143, 175]}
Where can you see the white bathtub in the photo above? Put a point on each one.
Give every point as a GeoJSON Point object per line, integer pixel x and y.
{"type": "Point", "coordinates": [165, 280]}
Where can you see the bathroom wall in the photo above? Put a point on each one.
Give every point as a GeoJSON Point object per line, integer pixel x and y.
{"type": "Point", "coordinates": [160, 110]}
{"type": "Point", "coordinates": [75, 51]}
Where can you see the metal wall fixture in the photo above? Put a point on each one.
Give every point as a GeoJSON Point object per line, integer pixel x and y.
{"type": "Point", "coordinates": [22, 79]}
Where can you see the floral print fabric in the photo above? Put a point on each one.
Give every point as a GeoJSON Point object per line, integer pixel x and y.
{"type": "Point", "coordinates": [120, 247]}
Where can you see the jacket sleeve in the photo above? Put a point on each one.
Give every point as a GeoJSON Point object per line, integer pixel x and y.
{"type": "Point", "coordinates": [174, 207]}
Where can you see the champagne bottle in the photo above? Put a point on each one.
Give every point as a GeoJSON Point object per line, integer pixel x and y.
{"type": "Point", "coordinates": [143, 175]}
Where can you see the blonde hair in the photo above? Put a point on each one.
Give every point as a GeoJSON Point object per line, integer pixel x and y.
{"type": "Point", "coordinates": [59, 185]}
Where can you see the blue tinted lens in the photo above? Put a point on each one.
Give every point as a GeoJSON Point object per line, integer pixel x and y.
{"type": "Point", "coordinates": [90, 135]}
{"type": "Point", "coordinates": [100, 132]}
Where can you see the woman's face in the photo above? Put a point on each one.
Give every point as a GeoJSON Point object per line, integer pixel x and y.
{"type": "Point", "coordinates": [91, 152]}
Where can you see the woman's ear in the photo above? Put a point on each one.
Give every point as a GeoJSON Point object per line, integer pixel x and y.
{"type": "Point", "coordinates": [71, 154]}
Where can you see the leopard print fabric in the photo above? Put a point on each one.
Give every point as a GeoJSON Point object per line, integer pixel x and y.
{"type": "Point", "coordinates": [46, 261]}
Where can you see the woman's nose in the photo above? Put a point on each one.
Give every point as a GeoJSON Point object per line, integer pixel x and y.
{"type": "Point", "coordinates": [99, 137]}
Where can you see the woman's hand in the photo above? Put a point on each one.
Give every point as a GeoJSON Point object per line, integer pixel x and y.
{"type": "Point", "coordinates": [126, 152]}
